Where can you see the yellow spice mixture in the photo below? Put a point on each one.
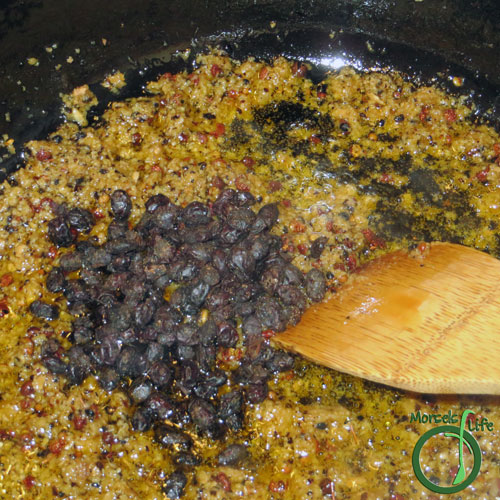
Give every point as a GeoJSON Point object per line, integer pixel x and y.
{"type": "Point", "coordinates": [366, 159]}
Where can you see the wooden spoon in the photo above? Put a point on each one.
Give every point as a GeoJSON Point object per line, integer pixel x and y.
{"type": "Point", "coordinates": [426, 324]}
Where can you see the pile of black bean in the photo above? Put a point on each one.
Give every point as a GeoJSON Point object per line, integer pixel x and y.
{"type": "Point", "coordinates": [229, 282]}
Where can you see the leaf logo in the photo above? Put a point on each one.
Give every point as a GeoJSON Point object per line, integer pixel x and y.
{"type": "Point", "coordinates": [461, 481]}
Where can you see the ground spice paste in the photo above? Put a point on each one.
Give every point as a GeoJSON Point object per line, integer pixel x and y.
{"type": "Point", "coordinates": [365, 161]}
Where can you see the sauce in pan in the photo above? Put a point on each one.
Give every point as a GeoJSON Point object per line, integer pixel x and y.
{"type": "Point", "coordinates": [365, 160]}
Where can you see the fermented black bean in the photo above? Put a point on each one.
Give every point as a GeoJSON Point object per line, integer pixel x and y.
{"type": "Point", "coordinates": [59, 232]}
{"type": "Point", "coordinates": [121, 205]}
{"type": "Point", "coordinates": [43, 310]}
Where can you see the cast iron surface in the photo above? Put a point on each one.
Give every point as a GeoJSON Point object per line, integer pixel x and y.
{"type": "Point", "coordinates": [455, 37]}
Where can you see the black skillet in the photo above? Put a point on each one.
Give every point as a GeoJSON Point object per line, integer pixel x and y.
{"type": "Point", "coordinates": [429, 40]}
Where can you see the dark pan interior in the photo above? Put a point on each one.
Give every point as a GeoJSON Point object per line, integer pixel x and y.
{"type": "Point", "coordinates": [429, 41]}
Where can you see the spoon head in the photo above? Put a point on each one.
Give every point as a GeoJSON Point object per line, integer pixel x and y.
{"type": "Point", "coordinates": [427, 323]}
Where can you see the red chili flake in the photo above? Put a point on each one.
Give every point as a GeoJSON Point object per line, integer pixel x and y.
{"type": "Point", "coordinates": [351, 262]}
{"type": "Point", "coordinates": [27, 388]}
{"type": "Point", "coordinates": [26, 403]}
{"type": "Point", "coordinates": [321, 95]}
{"type": "Point", "coordinates": [215, 70]}
{"type": "Point", "coordinates": [317, 264]}
{"type": "Point", "coordinates": [299, 69]}
{"type": "Point", "coordinates": [348, 243]}
{"type": "Point", "coordinates": [4, 308]}
{"type": "Point", "coordinates": [386, 178]}
{"type": "Point", "coordinates": [220, 129]}
{"type": "Point", "coordinates": [6, 434]}
{"type": "Point", "coordinates": [372, 239]}
{"type": "Point", "coordinates": [496, 148]}
{"type": "Point", "coordinates": [267, 334]}
{"type": "Point", "coordinates": [297, 226]}
{"type": "Point", "coordinates": [195, 79]}
{"type": "Point", "coordinates": [241, 183]}
{"type": "Point", "coordinates": [136, 139]}
{"type": "Point", "coordinates": [168, 76]}
{"type": "Point", "coordinates": [286, 203]}
{"type": "Point", "coordinates": [108, 438]}
{"type": "Point", "coordinates": [224, 481]}
{"type": "Point", "coordinates": [43, 155]}
{"type": "Point", "coordinates": [482, 176]}
{"type": "Point", "coordinates": [95, 409]}
{"type": "Point", "coordinates": [183, 137]}
{"type": "Point", "coordinates": [98, 214]}
{"type": "Point", "coordinates": [52, 253]}
{"type": "Point", "coordinates": [233, 93]}
{"type": "Point", "coordinates": [447, 139]}
{"type": "Point", "coordinates": [52, 204]}
{"type": "Point", "coordinates": [424, 112]}
{"type": "Point", "coordinates": [302, 249]}
{"type": "Point", "coordinates": [248, 162]}
{"type": "Point", "coordinates": [202, 138]}
{"type": "Point", "coordinates": [57, 446]}
{"type": "Point", "coordinates": [315, 139]}
{"type": "Point", "coordinates": [450, 115]}
{"type": "Point", "coordinates": [33, 208]}
{"type": "Point", "coordinates": [228, 355]}
{"type": "Point", "coordinates": [217, 182]}
{"type": "Point", "coordinates": [277, 486]}
{"type": "Point", "coordinates": [6, 280]}
{"type": "Point", "coordinates": [264, 71]}
{"type": "Point", "coordinates": [327, 486]}
{"type": "Point", "coordinates": [275, 186]}
{"type": "Point", "coordinates": [32, 331]}
{"type": "Point", "coordinates": [156, 168]}
{"type": "Point", "coordinates": [225, 355]}
{"type": "Point", "coordinates": [26, 437]}
{"type": "Point", "coordinates": [177, 98]}
{"type": "Point", "coordinates": [29, 482]}
{"type": "Point", "coordinates": [79, 423]}
{"type": "Point", "coordinates": [43, 201]}
{"type": "Point", "coordinates": [396, 94]}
